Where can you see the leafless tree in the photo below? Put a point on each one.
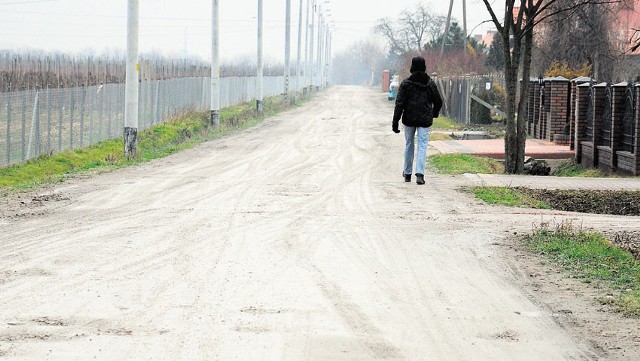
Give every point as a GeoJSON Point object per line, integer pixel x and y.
{"type": "Point", "coordinates": [521, 18]}
{"type": "Point", "coordinates": [411, 31]}
{"type": "Point", "coordinates": [585, 38]}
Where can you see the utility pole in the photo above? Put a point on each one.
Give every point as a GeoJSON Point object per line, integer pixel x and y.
{"type": "Point", "coordinates": [298, 70]}
{"type": "Point", "coordinates": [464, 24]}
{"type": "Point", "coordinates": [260, 79]}
{"type": "Point", "coordinates": [287, 52]}
{"type": "Point", "coordinates": [131, 85]}
{"type": "Point", "coordinates": [446, 29]}
{"type": "Point", "coordinates": [215, 64]}
{"type": "Point", "coordinates": [327, 57]}
{"type": "Point", "coordinates": [306, 51]}
{"type": "Point", "coordinates": [311, 38]}
{"type": "Point", "coordinates": [320, 35]}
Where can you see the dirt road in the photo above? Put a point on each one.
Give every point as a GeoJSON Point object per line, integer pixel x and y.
{"type": "Point", "coordinates": [295, 240]}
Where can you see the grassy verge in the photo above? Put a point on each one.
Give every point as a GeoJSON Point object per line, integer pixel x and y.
{"type": "Point", "coordinates": [508, 197]}
{"type": "Point", "coordinates": [571, 169]}
{"type": "Point", "coordinates": [444, 123]}
{"type": "Point", "coordinates": [157, 142]}
{"type": "Point", "coordinates": [593, 259]}
{"type": "Point", "coordinates": [464, 163]}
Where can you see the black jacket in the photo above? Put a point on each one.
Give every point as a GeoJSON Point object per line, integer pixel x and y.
{"type": "Point", "coordinates": [418, 101]}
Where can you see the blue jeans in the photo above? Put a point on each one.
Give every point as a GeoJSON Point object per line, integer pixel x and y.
{"type": "Point", "coordinates": [421, 157]}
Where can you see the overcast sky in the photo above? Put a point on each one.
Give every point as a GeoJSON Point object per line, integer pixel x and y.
{"type": "Point", "coordinates": [173, 27]}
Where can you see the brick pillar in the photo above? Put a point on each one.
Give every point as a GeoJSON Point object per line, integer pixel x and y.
{"type": "Point", "coordinates": [558, 115]}
{"type": "Point", "coordinates": [573, 107]}
{"type": "Point", "coordinates": [580, 121]}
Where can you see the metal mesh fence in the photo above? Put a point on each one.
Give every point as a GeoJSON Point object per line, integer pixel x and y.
{"type": "Point", "coordinates": [52, 120]}
{"type": "Point", "coordinates": [456, 94]}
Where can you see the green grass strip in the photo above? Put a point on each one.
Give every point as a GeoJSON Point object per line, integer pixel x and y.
{"type": "Point", "coordinates": [508, 197]}
{"type": "Point", "coordinates": [590, 257]}
{"type": "Point", "coordinates": [464, 163]}
{"type": "Point", "coordinates": [157, 142]}
{"type": "Point", "coordinates": [446, 123]}
{"type": "Point", "coordinates": [571, 169]}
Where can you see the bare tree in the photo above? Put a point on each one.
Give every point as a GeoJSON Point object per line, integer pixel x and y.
{"type": "Point", "coordinates": [411, 31]}
{"type": "Point", "coordinates": [586, 38]}
{"type": "Point", "coordinates": [517, 28]}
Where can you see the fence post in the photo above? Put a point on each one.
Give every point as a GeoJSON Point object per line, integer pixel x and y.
{"type": "Point", "coordinates": [48, 119]}
{"type": "Point", "coordinates": [9, 126]}
{"type": "Point", "coordinates": [156, 103]}
{"type": "Point", "coordinates": [82, 103]}
{"type": "Point", "coordinates": [91, 111]}
{"type": "Point", "coordinates": [23, 144]}
{"type": "Point", "coordinates": [35, 127]}
{"type": "Point", "coordinates": [109, 113]}
{"type": "Point", "coordinates": [467, 108]}
{"type": "Point", "coordinates": [101, 90]}
{"type": "Point", "coordinates": [60, 116]}
{"type": "Point", "coordinates": [71, 122]}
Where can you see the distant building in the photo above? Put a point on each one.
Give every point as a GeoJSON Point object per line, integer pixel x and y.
{"type": "Point", "coordinates": [626, 24]}
{"type": "Point", "coordinates": [487, 39]}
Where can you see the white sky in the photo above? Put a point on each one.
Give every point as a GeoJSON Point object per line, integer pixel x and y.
{"type": "Point", "coordinates": [173, 26]}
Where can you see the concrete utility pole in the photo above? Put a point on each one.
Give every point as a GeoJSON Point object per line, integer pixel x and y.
{"type": "Point", "coordinates": [131, 85]}
{"type": "Point", "coordinates": [311, 37]}
{"type": "Point", "coordinates": [306, 51]}
{"type": "Point", "coordinates": [215, 64]}
{"type": "Point", "coordinates": [298, 60]}
{"type": "Point", "coordinates": [327, 57]}
{"type": "Point", "coordinates": [287, 52]}
{"type": "Point", "coordinates": [464, 24]}
{"type": "Point", "coordinates": [446, 30]}
{"type": "Point", "coordinates": [320, 36]}
{"type": "Point", "coordinates": [260, 79]}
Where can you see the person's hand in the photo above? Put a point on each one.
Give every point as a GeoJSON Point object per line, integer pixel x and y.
{"type": "Point", "coordinates": [396, 130]}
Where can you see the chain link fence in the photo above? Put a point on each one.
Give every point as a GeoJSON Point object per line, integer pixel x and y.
{"type": "Point", "coordinates": [458, 93]}
{"type": "Point", "coordinates": [52, 120]}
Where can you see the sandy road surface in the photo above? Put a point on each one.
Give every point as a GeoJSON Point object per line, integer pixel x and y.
{"type": "Point", "coordinates": [296, 240]}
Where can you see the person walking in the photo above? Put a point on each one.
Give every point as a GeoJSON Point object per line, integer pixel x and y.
{"type": "Point", "coordinates": [418, 101]}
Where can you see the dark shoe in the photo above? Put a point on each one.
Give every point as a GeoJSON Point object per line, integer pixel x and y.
{"type": "Point", "coordinates": [420, 178]}
{"type": "Point", "coordinates": [407, 177]}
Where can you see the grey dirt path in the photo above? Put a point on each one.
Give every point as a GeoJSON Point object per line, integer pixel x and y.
{"type": "Point", "coordinates": [295, 240]}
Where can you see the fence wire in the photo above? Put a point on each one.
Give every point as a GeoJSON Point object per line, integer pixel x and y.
{"type": "Point", "coordinates": [52, 120]}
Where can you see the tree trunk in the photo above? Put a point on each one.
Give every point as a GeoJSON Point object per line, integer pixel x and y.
{"type": "Point", "coordinates": [511, 79]}
{"type": "Point", "coordinates": [524, 98]}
